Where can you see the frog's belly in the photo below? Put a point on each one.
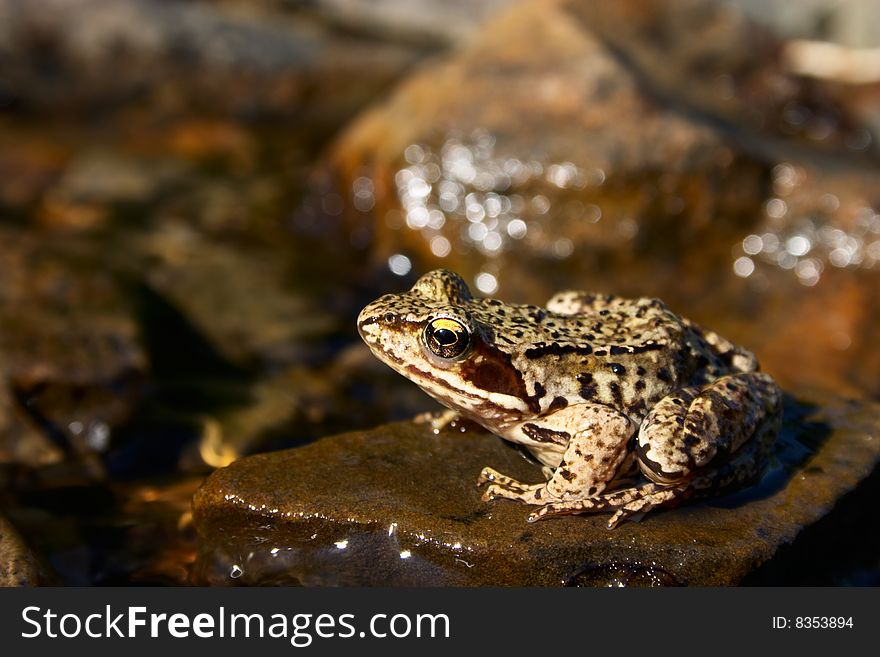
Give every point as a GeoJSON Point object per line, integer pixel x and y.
{"type": "Point", "coordinates": [547, 456]}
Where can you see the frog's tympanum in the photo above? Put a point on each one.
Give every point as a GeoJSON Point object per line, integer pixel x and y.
{"type": "Point", "coordinates": [598, 388]}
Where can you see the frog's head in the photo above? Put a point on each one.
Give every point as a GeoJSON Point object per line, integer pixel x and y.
{"type": "Point", "coordinates": [430, 335]}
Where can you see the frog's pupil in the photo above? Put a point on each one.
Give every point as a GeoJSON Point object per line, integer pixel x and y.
{"type": "Point", "coordinates": [445, 337]}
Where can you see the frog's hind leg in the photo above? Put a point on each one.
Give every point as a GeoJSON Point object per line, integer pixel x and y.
{"type": "Point", "coordinates": [698, 430]}
{"type": "Point", "coordinates": [627, 501]}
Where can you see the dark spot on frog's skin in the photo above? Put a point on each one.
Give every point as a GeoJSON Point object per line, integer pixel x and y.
{"type": "Point", "coordinates": [588, 388]}
{"type": "Point", "coordinates": [603, 312]}
{"type": "Point", "coordinates": [389, 317]}
{"type": "Point", "coordinates": [642, 348]}
{"type": "Point", "coordinates": [587, 458]}
{"type": "Point", "coordinates": [538, 494]}
{"type": "Point", "coordinates": [617, 368]}
{"type": "Point", "coordinates": [616, 394]}
{"type": "Point", "coordinates": [618, 350]}
{"type": "Point", "coordinates": [730, 386]}
{"type": "Point", "coordinates": [663, 375]}
{"type": "Point", "coordinates": [640, 385]}
{"type": "Point", "coordinates": [640, 406]}
{"type": "Point", "coordinates": [555, 349]}
{"type": "Point", "coordinates": [557, 403]}
{"type": "Point", "coordinates": [491, 369]}
{"type": "Point", "coordinates": [545, 435]}
{"type": "Point", "coordinates": [568, 475]}
{"type": "Point", "coordinates": [640, 371]}
{"type": "Point", "coordinates": [592, 491]}
{"type": "Point", "coordinates": [601, 352]}
{"type": "Point", "coordinates": [539, 390]}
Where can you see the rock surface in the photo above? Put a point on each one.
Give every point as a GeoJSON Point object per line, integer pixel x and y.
{"type": "Point", "coordinates": [18, 565]}
{"type": "Point", "coordinates": [398, 506]}
{"type": "Point", "coordinates": [244, 60]}
{"type": "Point", "coordinates": [71, 361]}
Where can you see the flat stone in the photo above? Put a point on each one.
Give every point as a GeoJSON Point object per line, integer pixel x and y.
{"type": "Point", "coordinates": [398, 506]}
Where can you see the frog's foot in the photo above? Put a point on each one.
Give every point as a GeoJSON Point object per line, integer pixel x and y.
{"type": "Point", "coordinates": [438, 420]}
{"type": "Point", "coordinates": [628, 502]}
{"type": "Point", "coordinates": [506, 487]}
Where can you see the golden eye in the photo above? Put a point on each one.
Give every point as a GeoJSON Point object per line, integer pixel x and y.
{"type": "Point", "coordinates": [447, 338]}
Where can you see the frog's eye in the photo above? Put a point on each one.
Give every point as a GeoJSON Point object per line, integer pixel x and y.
{"type": "Point", "coordinates": [446, 337]}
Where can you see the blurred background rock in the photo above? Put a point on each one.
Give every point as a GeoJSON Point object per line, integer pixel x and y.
{"type": "Point", "coordinates": [197, 197]}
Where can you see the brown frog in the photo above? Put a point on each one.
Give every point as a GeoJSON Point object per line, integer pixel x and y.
{"type": "Point", "coordinates": [598, 388]}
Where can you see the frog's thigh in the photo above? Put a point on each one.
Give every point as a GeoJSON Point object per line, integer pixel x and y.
{"type": "Point", "coordinates": [686, 430]}
{"type": "Point", "coordinates": [597, 439]}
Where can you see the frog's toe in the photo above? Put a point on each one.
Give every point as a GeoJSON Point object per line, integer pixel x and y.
{"type": "Point", "coordinates": [568, 508]}
{"type": "Point", "coordinates": [495, 491]}
{"type": "Point", "coordinates": [492, 476]}
{"type": "Point", "coordinates": [528, 493]}
{"type": "Point", "coordinates": [651, 497]}
{"type": "Point", "coordinates": [488, 475]}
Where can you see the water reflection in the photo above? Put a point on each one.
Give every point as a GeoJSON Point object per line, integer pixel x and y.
{"type": "Point", "coordinates": [490, 202]}
{"type": "Point", "coordinates": [808, 235]}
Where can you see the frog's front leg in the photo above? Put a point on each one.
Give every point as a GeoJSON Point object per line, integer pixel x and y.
{"type": "Point", "coordinates": [595, 442]}
{"type": "Point", "coordinates": [438, 420]}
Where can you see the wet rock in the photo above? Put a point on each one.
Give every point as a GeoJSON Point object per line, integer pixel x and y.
{"type": "Point", "coordinates": [398, 506]}
{"type": "Point", "coordinates": [240, 300]}
{"type": "Point", "coordinates": [536, 144]}
{"type": "Point", "coordinates": [712, 57]}
{"type": "Point", "coordinates": [21, 441]}
{"type": "Point", "coordinates": [422, 21]}
{"type": "Point", "coordinates": [173, 56]}
{"type": "Point", "coordinates": [299, 404]}
{"type": "Point", "coordinates": [574, 131]}
{"type": "Point", "coordinates": [107, 533]}
{"type": "Point", "coordinates": [70, 355]}
{"type": "Point", "coordinates": [28, 166]}
{"type": "Point", "coordinates": [18, 565]}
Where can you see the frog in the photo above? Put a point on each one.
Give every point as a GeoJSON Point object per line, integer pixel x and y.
{"type": "Point", "coordinates": [626, 405]}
